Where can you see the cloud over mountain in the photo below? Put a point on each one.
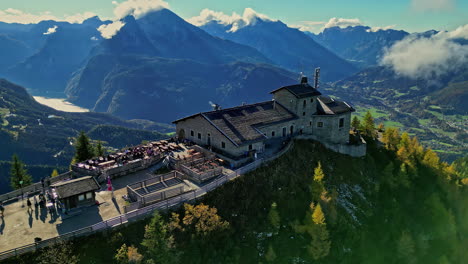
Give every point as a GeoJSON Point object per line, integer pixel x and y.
{"type": "Point", "coordinates": [420, 57]}
{"type": "Point", "coordinates": [108, 31]}
{"type": "Point", "coordinates": [135, 8]}
{"type": "Point", "coordinates": [249, 17]}
{"type": "Point", "coordinates": [138, 8]}
{"type": "Point", "coordinates": [11, 15]}
{"type": "Point", "coordinates": [51, 30]}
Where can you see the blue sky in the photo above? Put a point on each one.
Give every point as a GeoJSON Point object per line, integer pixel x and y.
{"type": "Point", "coordinates": [410, 15]}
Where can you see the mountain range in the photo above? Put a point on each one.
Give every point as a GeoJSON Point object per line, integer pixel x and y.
{"type": "Point", "coordinates": [360, 45]}
{"type": "Point", "coordinates": [285, 46]}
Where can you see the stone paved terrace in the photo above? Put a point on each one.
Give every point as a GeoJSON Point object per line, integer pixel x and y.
{"type": "Point", "coordinates": [19, 228]}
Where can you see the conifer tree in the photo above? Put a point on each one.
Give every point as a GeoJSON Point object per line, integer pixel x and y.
{"type": "Point", "coordinates": [403, 178]}
{"type": "Point", "coordinates": [274, 217]}
{"type": "Point", "coordinates": [406, 248]}
{"type": "Point", "coordinates": [83, 148]}
{"type": "Point", "coordinates": [158, 242]}
{"type": "Point", "coordinates": [369, 125]}
{"type": "Point", "coordinates": [356, 123]}
{"type": "Point", "coordinates": [99, 149]}
{"type": "Point", "coordinates": [19, 176]}
{"type": "Point", "coordinates": [387, 174]}
{"type": "Point", "coordinates": [318, 173]}
{"type": "Point", "coordinates": [54, 173]}
{"type": "Point", "coordinates": [317, 216]}
{"type": "Point", "coordinates": [431, 159]}
{"type": "Point", "coordinates": [270, 255]}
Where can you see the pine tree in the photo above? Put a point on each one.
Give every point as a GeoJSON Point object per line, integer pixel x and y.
{"type": "Point", "coordinates": [58, 254]}
{"type": "Point", "coordinates": [403, 177]}
{"type": "Point", "coordinates": [369, 125]}
{"type": "Point", "coordinates": [356, 123]}
{"type": "Point", "coordinates": [54, 173]}
{"type": "Point", "coordinates": [317, 216]}
{"type": "Point", "coordinates": [406, 248]}
{"type": "Point", "coordinates": [318, 173]}
{"type": "Point", "coordinates": [83, 148]}
{"type": "Point", "coordinates": [274, 217]}
{"type": "Point", "coordinates": [270, 255]}
{"type": "Point", "coordinates": [431, 159]}
{"type": "Point", "coordinates": [122, 255]}
{"type": "Point", "coordinates": [19, 175]}
{"type": "Point", "coordinates": [158, 242]}
{"type": "Point", "coordinates": [99, 149]}
{"type": "Point", "coordinates": [388, 175]}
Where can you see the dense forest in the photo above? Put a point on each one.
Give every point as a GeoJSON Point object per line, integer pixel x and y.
{"type": "Point", "coordinates": [398, 204]}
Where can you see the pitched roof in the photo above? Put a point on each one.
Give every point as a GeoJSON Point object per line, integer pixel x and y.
{"type": "Point", "coordinates": [300, 90]}
{"type": "Point", "coordinates": [330, 106]}
{"type": "Point", "coordinates": [70, 188]}
{"type": "Point", "coordinates": [240, 124]}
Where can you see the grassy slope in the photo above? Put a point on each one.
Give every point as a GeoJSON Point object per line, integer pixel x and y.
{"type": "Point", "coordinates": [368, 232]}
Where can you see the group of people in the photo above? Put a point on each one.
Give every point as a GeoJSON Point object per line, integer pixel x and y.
{"type": "Point", "coordinates": [44, 201]}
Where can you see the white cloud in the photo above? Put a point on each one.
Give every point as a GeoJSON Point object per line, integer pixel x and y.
{"type": "Point", "coordinates": [94, 38]}
{"type": "Point", "coordinates": [342, 22]}
{"type": "Point", "coordinates": [249, 17]}
{"type": "Point", "coordinates": [138, 8]}
{"type": "Point", "coordinates": [79, 17]}
{"type": "Point", "coordinates": [420, 57]}
{"type": "Point", "coordinates": [311, 26]}
{"type": "Point", "coordinates": [207, 15]}
{"type": "Point", "coordinates": [51, 30]}
{"type": "Point", "coordinates": [11, 15]}
{"type": "Point", "coordinates": [375, 29]}
{"type": "Point", "coordinates": [460, 32]}
{"type": "Point", "coordinates": [432, 5]}
{"type": "Point", "coordinates": [115, 3]}
{"type": "Point", "coordinates": [108, 31]}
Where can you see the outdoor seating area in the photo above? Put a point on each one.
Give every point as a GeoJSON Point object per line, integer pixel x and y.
{"type": "Point", "coordinates": [153, 151]}
{"type": "Point", "coordinates": [200, 165]}
{"type": "Point", "coordinates": [155, 189]}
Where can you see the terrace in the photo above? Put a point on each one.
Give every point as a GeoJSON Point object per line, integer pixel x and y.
{"type": "Point", "coordinates": [200, 165]}
{"type": "Point", "coordinates": [126, 161]}
{"type": "Point", "coordinates": [155, 189]}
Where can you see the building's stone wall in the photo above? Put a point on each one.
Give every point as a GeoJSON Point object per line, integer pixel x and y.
{"type": "Point", "coordinates": [307, 124]}
{"type": "Point", "coordinates": [330, 130]}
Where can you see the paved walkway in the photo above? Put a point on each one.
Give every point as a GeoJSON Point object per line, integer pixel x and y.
{"type": "Point", "coordinates": [19, 227]}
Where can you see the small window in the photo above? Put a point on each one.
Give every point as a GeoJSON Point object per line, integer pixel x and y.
{"type": "Point", "coordinates": [311, 100]}
{"type": "Point", "coordinates": [81, 197]}
{"type": "Point", "coordinates": [89, 196]}
{"type": "Point", "coordinates": [310, 123]}
{"type": "Point", "coordinates": [192, 133]}
{"type": "Point", "coordinates": [199, 135]}
{"type": "Point", "coordinates": [319, 124]}
{"type": "Point", "coordinates": [284, 132]}
{"type": "Point", "coordinates": [250, 147]}
{"type": "Point", "coordinates": [303, 113]}
{"type": "Point", "coordinates": [223, 144]}
{"type": "Point", "coordinates": [304, 104]}
{"type": "Point", "coordinates": [341, 122]}
{"type": "Point", "coordinates": [272, 133]}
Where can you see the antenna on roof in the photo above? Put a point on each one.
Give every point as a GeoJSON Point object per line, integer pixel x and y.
{"type": "Point", "coordinates": [316, 78]}
{"type": "Point", "coordinates": [303, 79]}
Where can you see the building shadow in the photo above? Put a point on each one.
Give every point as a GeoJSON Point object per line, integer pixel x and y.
{"type": "Point", "coordinates": [87, 217]}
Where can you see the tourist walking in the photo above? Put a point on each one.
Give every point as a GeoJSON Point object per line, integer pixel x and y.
{"type": "Point", "coordinates": [29, 205]}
